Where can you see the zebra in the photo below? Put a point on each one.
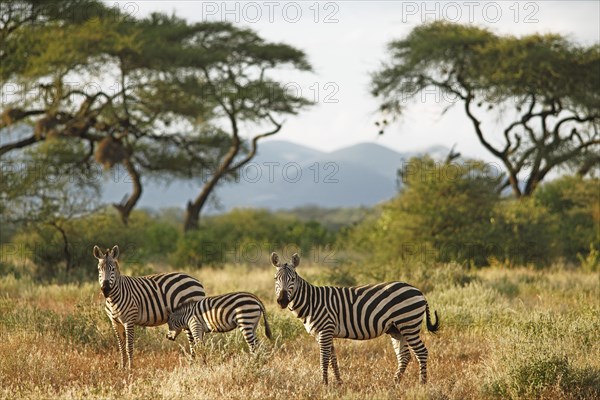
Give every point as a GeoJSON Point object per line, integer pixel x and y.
{"type": "Point", "coordinates": [361, 312]}
{"type": "Point", "coordinates": [144, 300]}
{"type": "Point", "coordinates": [221, 313]}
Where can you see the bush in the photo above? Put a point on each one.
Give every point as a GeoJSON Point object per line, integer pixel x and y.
{"type": "Point", "coordinates": [575, 203]}
{"type": "Point", "coordinates": [548, 377]}
{"type": "Point", "coordinates": [141, 240]}
{"type": "Point", "coordinates": [591, 262]}
{"type": "Point", "coordinates": [247, 236]}
{"type": "Point", "coordinates": [523, 233]}
{"type": "Point", "coordinates": [442, 214]}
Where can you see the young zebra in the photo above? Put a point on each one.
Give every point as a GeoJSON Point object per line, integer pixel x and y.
{"type": "Point", "coordinates": [220, 314]}
{"type": "Point", "coordinates": [362, 312]}
{"type": "Point", "coordinates": [143, 300]}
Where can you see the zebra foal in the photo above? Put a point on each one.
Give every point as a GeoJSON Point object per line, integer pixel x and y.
{"type": "Point", "coordinates": [361, 312]}
{"type": "Point", "coordinates": [221, 313]}
{"type": "Point", "coordinates": [143, 300]}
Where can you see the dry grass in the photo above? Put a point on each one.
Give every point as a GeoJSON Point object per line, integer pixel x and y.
{"type": "Point", "coordinates": [506, 334]}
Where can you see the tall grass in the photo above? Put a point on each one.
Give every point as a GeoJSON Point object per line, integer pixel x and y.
{"type": "Point", "coordinates": [506, 334]}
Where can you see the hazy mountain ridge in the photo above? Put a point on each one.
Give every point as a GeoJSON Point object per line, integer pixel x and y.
{"type": "Point", "coordinates": [285, 175]}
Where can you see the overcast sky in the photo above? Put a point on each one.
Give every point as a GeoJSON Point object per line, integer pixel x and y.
{"type": "Point", "coordinates": [346, 40]}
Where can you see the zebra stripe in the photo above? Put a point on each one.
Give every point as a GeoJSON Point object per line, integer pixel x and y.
{"type": "Point", "coordinates": [221, 313]}
{"type": "Point", "coordinates": [362, 312]}
{"type": "Point", "coordinates": [144, 300]}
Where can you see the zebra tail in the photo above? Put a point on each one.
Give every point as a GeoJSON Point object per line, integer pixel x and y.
{"type": "Point", "coordinates": [267, 329]}
{"type": "Point", "coordinates": [432, 327]}
{"type": "Point", "coordinates": [264, 313]}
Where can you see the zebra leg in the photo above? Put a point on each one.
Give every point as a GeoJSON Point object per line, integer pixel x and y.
{"type": "Point", "coordinates": [120, 333]}
{"type": "Point", "coordinates": [129, 330]}
{"type": "Point", "coordinates": [418, 347]}
{"type": "Point", "coordinates": [196, 330]}
{"type": "Point", "coordinates": [402, 355]}
{"type": "Point", "coordinates": [190, 338]}
{"type": "Point", "coordinates": [249, 332]}
{"type": "Point", "coordinates": [325, 339]}
{"type": "Point", "coordinates": [334, 365]}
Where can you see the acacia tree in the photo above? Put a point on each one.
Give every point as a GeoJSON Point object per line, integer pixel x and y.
{"type": "Point", "coordinates": [135, 91]}
{"type": "Point", "coordinates": [235, 79]}
{"type": "Point", "coordinates": [545, 89]}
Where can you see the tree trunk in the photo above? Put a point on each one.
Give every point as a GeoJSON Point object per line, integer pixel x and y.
{"type": "Point", "coordinates": [514, 184]}
{"type": "Point", "coordinates": [66, 251]}
{"type": "Point", "coordinates": [192, 214]}
{"type": "Point", "coordinates": [127, 204]}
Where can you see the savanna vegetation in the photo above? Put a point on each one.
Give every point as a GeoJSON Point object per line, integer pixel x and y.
{"type": "Point", "coordinates": [508, 257]}
{"type": "Point", "coordinates": [506, 333]}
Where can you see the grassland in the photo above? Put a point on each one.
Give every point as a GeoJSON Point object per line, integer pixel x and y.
{"type": "Point", "coordinates": [517, 333]}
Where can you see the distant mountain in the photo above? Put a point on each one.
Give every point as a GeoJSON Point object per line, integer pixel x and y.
{"type": "Point", "coordinates": [285, 151]}
{"type": "Point", "coordinates": [285, 175]}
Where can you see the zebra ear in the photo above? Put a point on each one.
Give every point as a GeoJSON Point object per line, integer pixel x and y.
{"type": "Point", "coordinates": [114, 253]}
{"type": "Point", "coordinates": [97, 252]}
{"type": "Point", "coordinates": [274, 259]}
{"type": "Point", "coordinates": [295, 260]}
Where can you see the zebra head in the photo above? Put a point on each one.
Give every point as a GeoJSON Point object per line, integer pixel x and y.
{"type": "Point", "coordinates": [108, 268]}
{"type": "Point", "coordinates": [285, 279]}
{"type": "Point", "coordinates": [177, 322]}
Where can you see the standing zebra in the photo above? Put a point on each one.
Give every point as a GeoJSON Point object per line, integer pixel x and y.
{"type": "Point", "coordinates": [220, 314]}
{"type": "Point", "coordinates": [144, 300]}
{"type": "Point", "coordinates": [362, 312]}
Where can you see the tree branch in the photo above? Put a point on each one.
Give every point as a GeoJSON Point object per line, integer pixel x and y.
{"type": "Point", "coordinates": [254, 147]}
{"type": "Point", "coordinates": [19, 145]}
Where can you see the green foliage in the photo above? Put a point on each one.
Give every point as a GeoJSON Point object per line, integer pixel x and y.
{"type": "Point", "coordinates": [44, 185]}
{"type": "Point", "coordinates": [591, 262]}
{"type": "Point", "coordinates": [247, 236]}
{"type": "Point", "coordinates": [155, 94]}
{"type": "Point", "coordinates": [240, 236]}
{"type": "Point", "coordinates": [544, 83]}
{"type": "Point", "coordinates": [141, 241]}
{"type": "Point", "coordinates": [442, 213]}
{"type": "Point", "coordinates": [575, 204]}
{"type": "Point", "coordinates": [334, 219]}
{"type": "Point", "coordinates": [452, 212]}
{"type": "Point", "coordinates": [285, 328]}
{"type": "Point", "coordinates": [523, 233]}
{"type": "Point", "coordinates": [499, 67]}
{"type": "Point", "coordinates": [160, 239]}
{"type": "Point", "coordinates": [87, 325]}
{"type": "Point", "coordinates": [544, 376]}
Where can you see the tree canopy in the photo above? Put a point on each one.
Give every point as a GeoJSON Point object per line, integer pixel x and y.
{"type": "Point", "coordinates": [545, 89]}
{"type": "Point", "coordinates": [159, 97]}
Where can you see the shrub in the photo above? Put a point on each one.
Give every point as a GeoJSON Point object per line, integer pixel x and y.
{"type": "Point", "coordinates": [591, 262]}
{"type": "Point", "coordinates": [246, 236]}
{"type": "Point", "coordinates": [442, 214]}
{"type": "Point", "coordinates": [142, 239]}
{"type": "Point", "coordinates": [522, 232]}
{"type": "Point", "coordinates": [575, 203]}
{"type": "Point", "coordinates": [546, 376]}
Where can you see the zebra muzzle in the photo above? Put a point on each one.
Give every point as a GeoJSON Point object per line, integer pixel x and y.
{"type": "Point", "coordinates": [283, 300]}
{"type": "Point", "coordinates": [105, 288]}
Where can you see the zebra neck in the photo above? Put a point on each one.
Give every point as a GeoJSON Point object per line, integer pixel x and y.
{"type": "Point", "coordinates": [116, 291]}
{"type": "Point", "coordinates": [301, 305]}
{"type": "Point", "coordinates": [189, 310]}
